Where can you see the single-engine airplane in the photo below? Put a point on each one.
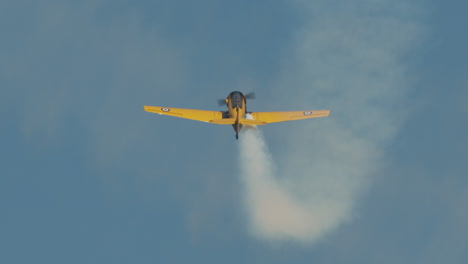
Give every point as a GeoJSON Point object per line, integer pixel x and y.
{"type": "Point", "coordinates": [236, 114]}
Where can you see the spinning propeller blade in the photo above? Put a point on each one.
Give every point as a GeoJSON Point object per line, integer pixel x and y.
{"type": "Point", "coordinates": [250, 95]}
{"type": "Point", "coordinates": [221, 102]}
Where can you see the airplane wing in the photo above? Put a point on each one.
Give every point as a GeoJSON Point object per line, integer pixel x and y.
{"type": "Point", "coordinates": [215, 117]}
{"type": "Point", "coordinates": [262, 118]}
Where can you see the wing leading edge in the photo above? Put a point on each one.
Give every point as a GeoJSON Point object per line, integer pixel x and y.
{"type": "Point", "coordinates": [262, 118]}
{"type": "Point", "coordinates": [215, 117]}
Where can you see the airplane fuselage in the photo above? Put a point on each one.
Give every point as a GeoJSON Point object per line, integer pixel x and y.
{"type": "Point", "coordinates": [237, 108]}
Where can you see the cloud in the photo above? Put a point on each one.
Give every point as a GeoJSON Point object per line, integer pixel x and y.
{"type": "Point", "coordinates": [347, 58]}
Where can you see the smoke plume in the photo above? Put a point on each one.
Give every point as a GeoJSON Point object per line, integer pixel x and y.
{"type": "Point", "coordinates": [348, 60]}
{"type": "Point", "coordinates": [275, 212]}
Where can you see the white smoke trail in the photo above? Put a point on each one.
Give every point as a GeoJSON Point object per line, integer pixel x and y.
{"type": "Point", "coordinates": [272, 210]}
{"type": "Point", "coordinates": [346, 59]}
{"type": "Point", "coordinates": [276, 213]}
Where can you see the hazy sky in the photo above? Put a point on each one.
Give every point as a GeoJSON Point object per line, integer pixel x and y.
{"type": "Point", "coordinates": [87, 176]}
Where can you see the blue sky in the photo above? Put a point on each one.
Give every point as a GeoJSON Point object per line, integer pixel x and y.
{"type": "Point", "coordinates": [88, 177]}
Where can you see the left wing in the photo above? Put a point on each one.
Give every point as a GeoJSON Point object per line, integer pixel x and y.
{"type": "Point", "coordinates": [262, 118]}
{"type": "Point", "coordinates": [199, 115]}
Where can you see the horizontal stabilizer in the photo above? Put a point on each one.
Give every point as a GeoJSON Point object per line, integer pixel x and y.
{"type": "Point", "coordinates": [250, 122]}
{"type": "Point", "coordinates": [224, 121]}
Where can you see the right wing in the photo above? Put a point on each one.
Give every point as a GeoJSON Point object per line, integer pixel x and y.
{"type": "Point", "coordinates": [262, 118]}
{"type": "Point", "coordinates": [215, 117]}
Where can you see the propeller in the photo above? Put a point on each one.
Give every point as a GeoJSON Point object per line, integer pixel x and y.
{"type": "Point", "coordinates": [250, 95]}
{"type": "Point", "coordinates": [221, 102]}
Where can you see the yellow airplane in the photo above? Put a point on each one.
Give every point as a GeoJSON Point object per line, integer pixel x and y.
{"type": "Point", "coordinates": [236, 114]}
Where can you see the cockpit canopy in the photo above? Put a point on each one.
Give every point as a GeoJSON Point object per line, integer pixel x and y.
{"type": "Point", "coordinates": [236, 99]}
